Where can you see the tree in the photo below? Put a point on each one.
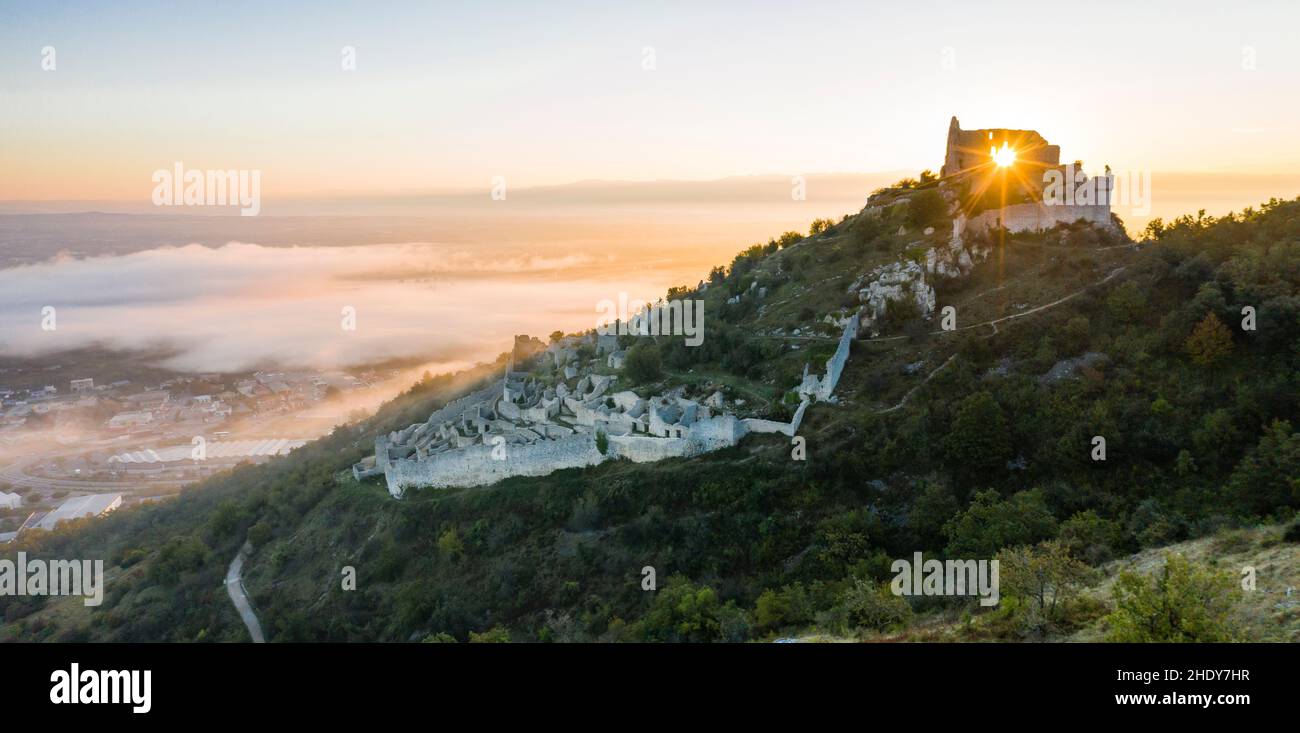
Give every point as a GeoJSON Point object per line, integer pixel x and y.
{"type": "Point", "coordinates": [494, 635]}
{"type": "Point", "coordinates": [259, 534]}
{"type": "Point", "coordinates": [819, 226]}
{"type": "Point", "coordinates": [927, 208]}
{"type": "Point", "coordinates": [449, 544]}
{"type": "Point", "coordinates": [1210, 342]}
{"type": "Point", "coordinates": [1126, 303]}
{"type": "Point", "coordinates": [1183, 601]}
{"type": "Point", "coordinates": [1075, 335]}
{"type": "Point", "coordinates": [1090, 538]}
{"type": "Point", "coordinates": [643, 363]}
{"type": "Point", "coordinates": [990, 524]}
{"type": "Point", "coordinates": [978, 442]}
{"type": "Point", "coordinates": [872, 605]}
{"type": "Point", "coordinates": [933, 507]}
{"type": "Point", "coordinates": [556, 336]}
{"type": "Point", "coordinates": [789, 238]}
{"type": "Point", "coordinates": [1268, 478]}
{"type": "Point", "coordinates": [787, 607]}
{"type": "Point", "coordinates": [1042, 578]}
{"type": "Point", "coordinates": [682, 612]}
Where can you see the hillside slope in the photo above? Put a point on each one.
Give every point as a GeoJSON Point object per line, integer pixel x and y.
{"type": "Point", "coordinates": [957, 444]}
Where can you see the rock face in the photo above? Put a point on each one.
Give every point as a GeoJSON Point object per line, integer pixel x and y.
{"type": "Point", "coordinates": [895, 282]}
{"type": "Point", "coordinates": [1066, 368]}
{"type": "Point", "coordinates": [954, 259]}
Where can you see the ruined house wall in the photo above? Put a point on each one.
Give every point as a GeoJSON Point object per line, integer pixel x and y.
{"type": "Point", "coordinates": [755, 425]}
{"type": "Point", "coordinates": [719, 431]}
{"type": "Point", "coordinates": [641, 449]}
{"type": "Point", "coordinates": [454, 409]}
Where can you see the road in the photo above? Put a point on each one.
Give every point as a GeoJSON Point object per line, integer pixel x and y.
{"type": "Point", "coordinates": [238, 595]}
{"type": "Point", "coordinates": [16, 474]}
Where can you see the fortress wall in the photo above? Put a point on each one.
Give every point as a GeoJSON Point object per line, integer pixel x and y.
{"type": "Point", "coordinates": [835, 365]}
{"type": "Point", "coordinates": [475, 466]}
{"type": "Point", "coordinates": [1037, 217]}
{"type": "Point", "coordinates": [798, 417]}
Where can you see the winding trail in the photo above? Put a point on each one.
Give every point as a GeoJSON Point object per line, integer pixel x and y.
{"type": "Point", "coordinates": [238, 595]}
{"type": "Point", "coordinates": [994, 324]}
{"type": "Point", "coordinates": [913, 390]}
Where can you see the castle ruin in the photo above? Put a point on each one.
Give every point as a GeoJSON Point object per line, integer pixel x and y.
{"type": "Point", "coordinates": [523, 426]}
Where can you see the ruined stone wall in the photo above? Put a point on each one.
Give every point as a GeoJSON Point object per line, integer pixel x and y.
{"type": "Point", "coordinates": [475, 466]}
{"type": "Point", "coordinates": [968, 149]}
{"type": "Point", "coordinates": [835, 364]}
{"type": "Point", "coordinates": [1037, 217]}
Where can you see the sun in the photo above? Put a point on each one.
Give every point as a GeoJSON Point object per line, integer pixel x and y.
{"type": "Point", "coordinates": [1003, 157]}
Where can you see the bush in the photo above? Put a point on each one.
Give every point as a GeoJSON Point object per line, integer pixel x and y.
{"type": "Point", "coordinates": [926, 208]}
{"type": "Point", "coordinates": [787, 607]}
{"type": "Point", "coordinates": [1183, 601]}
{"type": "Point", "coordinates": [684, 612]}
{"type": "Point", "coordinates": [1090, 538]}
{"type": "Point", "coordinates": [990, 524]}
{"type": "Point", "coordinates": [871, 605]}
{"type": "Point", "coordinates": [643, 362]}
{"type": "Point", "coordinates": [495, 635]}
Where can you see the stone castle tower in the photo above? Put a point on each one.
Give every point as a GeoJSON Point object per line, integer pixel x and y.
{"type": "Point", "coordinates": [969, 149]}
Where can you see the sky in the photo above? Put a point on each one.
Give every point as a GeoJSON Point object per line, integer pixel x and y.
{"type": "Point", "coordinates": [449, 96]}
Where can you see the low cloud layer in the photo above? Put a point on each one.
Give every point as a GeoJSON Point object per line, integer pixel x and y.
{"type": "Point", "coordinates": [242, 306]}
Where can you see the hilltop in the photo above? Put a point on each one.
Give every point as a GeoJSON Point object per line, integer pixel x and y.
{"type": "Point", "coordinates": [963, 443]}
